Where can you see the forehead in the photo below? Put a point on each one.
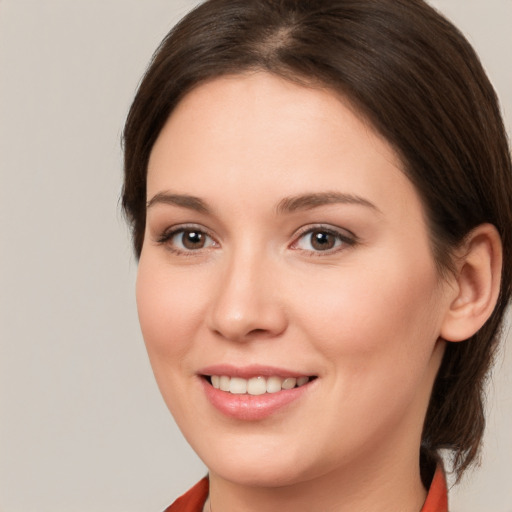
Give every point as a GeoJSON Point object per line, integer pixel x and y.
{"type": "Point", "coordinates": [262, 100]}
{"type": "Point", "coordinates": [258, 130]}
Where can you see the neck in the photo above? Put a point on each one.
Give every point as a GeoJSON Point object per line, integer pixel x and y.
{"type": "Point", "coordinates": [398, 489]}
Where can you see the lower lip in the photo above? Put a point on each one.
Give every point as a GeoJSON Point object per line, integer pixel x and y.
{"type": "Point", "coordinates": [252, 407]}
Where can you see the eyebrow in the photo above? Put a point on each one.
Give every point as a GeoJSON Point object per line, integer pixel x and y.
{"type": "Point", "coordinates": [310, 201]}
{"type": "Point", "coordinates": [183, 200]}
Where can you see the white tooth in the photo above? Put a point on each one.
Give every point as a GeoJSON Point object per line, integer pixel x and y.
{"type": "Point", "coordinates": [238, 386]}
{"type": "Point", "coordinates": [302, 380]}
{"type": "Point", "coordinates": [274, 384]}
{"type": "Point", "coordinates": [257, 386]}
{"type": "Point", "coordinates": [289, 383]}
{"type": "Point", "coordinates": [224, 383]}
{"type": "Point", "coordinates": [216, 381]}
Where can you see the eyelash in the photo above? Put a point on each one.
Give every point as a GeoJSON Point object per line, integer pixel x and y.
{"type": "Point", "coordinates": [344, 239]}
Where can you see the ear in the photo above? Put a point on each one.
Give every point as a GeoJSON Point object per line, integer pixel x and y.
{"type": "Point", "coordinates": [477, 283]}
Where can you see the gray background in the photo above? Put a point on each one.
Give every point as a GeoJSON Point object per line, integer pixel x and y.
{"type": "Point", "coordinates": [82, 425]}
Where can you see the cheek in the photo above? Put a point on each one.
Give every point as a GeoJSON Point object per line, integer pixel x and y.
{"type": "Point", "coordinates": [385, 318]}
{"type": "Point", "coordinates": [378, 333]}
{"type": "Point", "coordinates": [169, 307]}
{"type": "Point", "coordinates": [170, 313]}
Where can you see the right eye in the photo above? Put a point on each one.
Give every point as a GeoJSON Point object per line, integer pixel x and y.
{"type": "Point", "coordinates": [187, 240]}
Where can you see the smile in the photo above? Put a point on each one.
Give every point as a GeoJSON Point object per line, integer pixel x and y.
{"type": "Point", "coordinates": [256, 397]}
{"type": "Point", "coordinates": [256, 385]}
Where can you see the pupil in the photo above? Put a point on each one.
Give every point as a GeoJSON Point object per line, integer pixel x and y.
{"type": "Point", "coordinates": [322, 240]}
{"type": "Point", "coordinates": [193, 240]}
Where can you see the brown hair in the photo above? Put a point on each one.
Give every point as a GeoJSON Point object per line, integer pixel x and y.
{"type": "Point", "coordinates": [415, 77]}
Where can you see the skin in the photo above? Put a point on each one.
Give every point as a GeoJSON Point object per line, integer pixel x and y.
{"type": "Point", "coordinates": [364, 317]}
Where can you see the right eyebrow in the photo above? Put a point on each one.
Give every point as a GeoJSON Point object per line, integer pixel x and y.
{"type": "Point", "coordinates": [182, 200]}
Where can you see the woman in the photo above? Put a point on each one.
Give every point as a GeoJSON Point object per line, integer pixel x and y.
{"type": "Point", "coordinates": [319, 193]}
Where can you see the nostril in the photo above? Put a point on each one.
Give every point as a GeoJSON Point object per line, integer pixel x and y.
{"type": "Point", "coordinates": [256, 332]}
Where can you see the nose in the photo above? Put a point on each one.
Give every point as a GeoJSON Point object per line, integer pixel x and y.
{"type": "Point", "coordinates": [246, 304]}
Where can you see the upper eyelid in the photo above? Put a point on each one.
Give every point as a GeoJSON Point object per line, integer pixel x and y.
{"type": "Point", "coordinates": [175, 228]}
{"type": "Point", "coordinates": [170, 231]}
{"type": "Point", "coordinates": [326, 227]}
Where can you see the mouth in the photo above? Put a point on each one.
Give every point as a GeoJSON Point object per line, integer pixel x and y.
{"type": "Point", "coordinates": [258, 385]}
{"type": "Point", "coordinates": [254, 392]}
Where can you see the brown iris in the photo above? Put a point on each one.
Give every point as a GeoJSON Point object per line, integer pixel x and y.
{"type": "Point", "coordinates": [193, 239]}
{"type": "Point", "coordinates": [322, 240]}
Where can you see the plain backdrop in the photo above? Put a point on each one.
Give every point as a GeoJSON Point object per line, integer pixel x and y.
{"type": "Point", "coordinates": [82, 425]}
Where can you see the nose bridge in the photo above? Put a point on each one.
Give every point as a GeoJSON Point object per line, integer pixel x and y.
{"type": "Point", "coordinates": [246, 304]}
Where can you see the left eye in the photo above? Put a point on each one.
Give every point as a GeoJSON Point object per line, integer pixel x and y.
{"type": "Point", "coordinates": [190, 239]}
{"type": "Point", "coordinates": [320, 239]}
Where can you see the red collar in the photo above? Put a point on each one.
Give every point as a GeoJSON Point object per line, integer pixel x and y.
{"type": "Point", "coordinates": [437, 499]}
{"type": "Point", "coordinates": [193, 500]}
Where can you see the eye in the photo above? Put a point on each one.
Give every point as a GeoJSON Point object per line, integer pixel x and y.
{"type": "Point", "coordinates": [322, 239]}
{"type": "Point", "coordinates": [187, 239]}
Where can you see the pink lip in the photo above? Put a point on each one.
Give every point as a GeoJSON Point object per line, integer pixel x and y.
{"type": "Point", "coordinates": [246, 372]}
{"type": "Point", "coordinates": [249, 407]}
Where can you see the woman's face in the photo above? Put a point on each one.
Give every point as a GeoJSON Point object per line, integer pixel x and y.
{"type": "Point", "coordinates": [284, 242]}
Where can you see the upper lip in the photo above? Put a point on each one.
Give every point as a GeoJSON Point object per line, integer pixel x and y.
{"type": "Point", "coordinates": [247, 372]}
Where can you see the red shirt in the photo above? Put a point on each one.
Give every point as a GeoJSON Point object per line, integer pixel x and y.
{"type": "Point", "coordinates": [193, 500]}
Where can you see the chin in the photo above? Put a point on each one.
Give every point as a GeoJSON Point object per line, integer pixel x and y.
{"type": "Point", "coordinates": [267, 474]}
{"type": "Point", "coordinates": [262, 466]}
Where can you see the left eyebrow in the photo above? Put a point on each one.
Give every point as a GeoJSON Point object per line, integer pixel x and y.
{"type": "Point", "coordinates": [309, 201]}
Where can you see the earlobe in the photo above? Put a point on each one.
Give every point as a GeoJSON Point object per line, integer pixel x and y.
{"type": "Point", "coordinates": [478, 277]}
